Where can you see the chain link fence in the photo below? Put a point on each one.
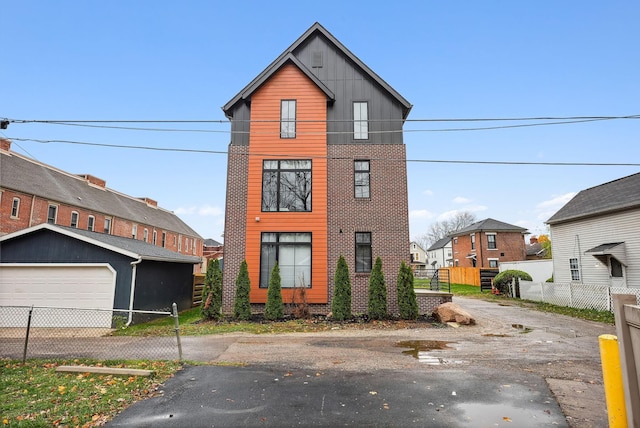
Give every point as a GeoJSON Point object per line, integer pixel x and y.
{"type": "Point", "coordinates": [573, 295]}
{"type": "Point", "coordinates": [48, 332]}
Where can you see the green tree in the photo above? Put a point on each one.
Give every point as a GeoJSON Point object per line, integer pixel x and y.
{"type": "Point", "coordinates": [407, 302]}
{"type": "Point", "coordinates": [377, 292]}
{"type": "Point", "coordinates": [275, 307]}
{"type": "Point", "coordinates": [211, 306]}
{"type": "Point", "coordinates": [341, 304]}
{"type": "Point", "coordinates": [241, 306]}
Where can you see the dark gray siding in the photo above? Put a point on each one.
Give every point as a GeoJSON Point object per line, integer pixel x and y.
{"type": "Point", "coordinates": [240, 124]}
{"type": "Point", "coordinates": [349, 83]}
{"type": "Point", "coordinates": [160, 284]}
{"type": "Point", "coordinates": [49, 247]}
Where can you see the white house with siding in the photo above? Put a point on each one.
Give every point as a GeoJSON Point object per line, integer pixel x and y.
{"type": "Point", "coordinates": [440, 253]}
{"type": "Point", "coordinates": [595, 237]}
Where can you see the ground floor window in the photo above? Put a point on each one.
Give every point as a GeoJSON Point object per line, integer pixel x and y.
{"type": "Point", "coordinates": [292, 251]}
{"type": "Point", "coordinates": [363, 252]}
{"type": "Point", "coordinates": [574, 268]}
{"type": "Point", "coordinates": [493, 263]}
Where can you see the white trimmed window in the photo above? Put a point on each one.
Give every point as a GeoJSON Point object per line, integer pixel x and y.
{"type": "Point", "coordinates": [491, 241]}
{"type": "Point", "coordinates": [107, 225]}
{"type": "Point", "coordinates": [155, 237]}
{"type": "Point", "coordinates": [473, 241]}
{"type": "Point", "coordinates": [145, 235]}
{"type": "Point", "coordinates": [493, 263]}
{"type": "Point", "coordinates": [74, 219]}
{"type": "Point", "coordinates": [574, 267]}
{"type": "Point", "coordinates": [134, 231]}
{"type": "Point", "coordinates": [52, 214]}
{"type": "Point", "coordinates": [91, 220]}
{"type": "Point", "coordinates": [15, 207]}
{"type": "Point", "coordinates": [164, 239]}
{"type": "Point", "coordinates": [360, 120]}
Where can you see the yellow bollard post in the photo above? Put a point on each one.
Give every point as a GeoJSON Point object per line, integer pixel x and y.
{"type": "Point", "coordinates": [612, 377]}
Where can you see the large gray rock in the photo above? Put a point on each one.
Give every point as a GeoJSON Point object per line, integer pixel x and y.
{"type": "Point", "coordinates": [450, 312]}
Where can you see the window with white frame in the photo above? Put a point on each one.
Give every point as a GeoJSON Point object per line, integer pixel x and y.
{"type": "Point", "coordinates": [288, 119]}
{"type": "Point", "coordinates": [145, 235]}
{"type": "Point", "coordinates": [15, 207]}
{"type": "Point", "coordinates": [155, 237]}
{"type": "Point", "coordinates": [473, 241]}
{"type": "Point", "coordinates": [74, 219]}
{"type": "Point", "coordinates": [491, 241]}
{"type": "Point", "coordinates": [360, 120]}
{"type": "Point", "coordinates": [493, 263]}
{"type": "Point", "coordinates": [164, 239]}
{"type": "Point", "coordinates": [52, 214]}
{"type": "Point", "coordinates": [574, 267]}
{"type": "Point", "coordinates": [107, 225]}
{"type": "Point", "coordinates": [292, 251]}
{"type": "Point", "coordinates": [134, 231]}
{"type": "Point", "coordinates": [361, 178]}
{"type": "Point", "coordinates": [91, 223]}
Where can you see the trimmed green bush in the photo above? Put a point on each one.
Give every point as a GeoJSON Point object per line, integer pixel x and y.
{"type": "Point", "coordinates": [503, 279]}
{"type": "Point", "coordinates": [407, 302]}
{"type": "Point", "coordinates": [377, 308]}
{"type": "Point", "coordinates": [211, 305]}
{"type": "Point", "coordinates": [341, 304]}
{"type": "Point", "coordinates": [241, 305]}
{"type": "Point", "coordinates": [274, 309]}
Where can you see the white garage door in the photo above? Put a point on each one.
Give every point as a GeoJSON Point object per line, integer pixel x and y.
{"type": "Point", "coordinates": [81, 286]}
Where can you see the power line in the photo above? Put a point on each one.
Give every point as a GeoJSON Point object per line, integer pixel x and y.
{"type": "Point", "coordinates": [555, 121]}
{"type": "Point", "coordinates": [287, 155]}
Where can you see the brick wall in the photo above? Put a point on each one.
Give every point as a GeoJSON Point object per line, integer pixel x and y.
{"type": "Point", "coordinates": [235, 217]}
{"type": "Point", "coordinates": [510, 247]}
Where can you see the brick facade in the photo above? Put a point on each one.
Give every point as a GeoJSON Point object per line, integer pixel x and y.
{"type": "Point", "coordinates": [510, 246]}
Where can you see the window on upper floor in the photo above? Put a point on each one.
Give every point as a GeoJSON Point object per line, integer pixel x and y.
{"type": "Point", "coordinates": [292, 251]}
{"type": "Point", "coordinates": [179, 244]}
{"type": "Point", "coordinates": [491, 241]}
{"type": "Point", "coordinates": [286, 185]}
{"type": "Point", "coordinates": [473, 241]}
{"type": "Point", "coordinates": [364, 261]}
{"type": "Point", "coordinates": [288, 119]}
{"type": "Point", "coordinates": [155, 237]}
{"type": "Point", "coordinates": [90, 223]}
{"type": "Point", "coordinates": [145, 235]}
{"type": "Point", "coordinates": [74, 219]}
{"type": "Point", "coordinates": [15, 207]}
{"type": "Point", "coordinates": [574, 267]}
{"type": "Point", "coordinates": [360, 120]}
{"type": "Point", "coordinates": [107, 225]}
{"type": "Point", "coordinates": [52, 214]}
{"type": "Point", "coordinates": [134, 231]}
{"type": "Point", "coordinates": [361, 177]}
{"type": "Point", "coordinates": [164, 239]}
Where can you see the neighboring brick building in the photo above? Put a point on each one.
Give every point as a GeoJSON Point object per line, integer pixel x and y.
{"type": "Point", "coordinates": [33, 193]}
{"type": "Point", "coordinates": [486, 243]}
{"type": "Point", "coordinates": [316, 169]}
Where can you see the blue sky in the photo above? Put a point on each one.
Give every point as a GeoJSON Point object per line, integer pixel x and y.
{"type": "Point", "coordinates": [160, 60]}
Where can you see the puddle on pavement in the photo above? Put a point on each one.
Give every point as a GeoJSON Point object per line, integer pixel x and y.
{"type": "Point", "coordinates": [523, 329]}
{"type": "Point", "coordinates": [418, 346]}
{"type": "Point", "coordinates": [502, 415]}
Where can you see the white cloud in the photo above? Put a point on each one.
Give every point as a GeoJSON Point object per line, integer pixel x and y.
{"type": "Point", "coordinates": [461, 200]}
{"type": "Point", "coordinates": [203, 211]}
{"type": "Point", "coordinates": [427, 192]}
{"type": "Point", "coordinates": [184, 210]}
{"type": "Point", "coordinates": [421, 214]}
{"type": "Point", "coordinates": [475, 208]}
{"type": "Point", "coordinates": [556, 202]}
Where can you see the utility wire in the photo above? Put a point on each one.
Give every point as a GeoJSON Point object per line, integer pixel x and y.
{"type": "Point", "coordinates": [288, 155]}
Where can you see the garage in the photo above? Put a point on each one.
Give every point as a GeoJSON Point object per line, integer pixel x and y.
{"type": "Point", "coordinates": [64, 285]}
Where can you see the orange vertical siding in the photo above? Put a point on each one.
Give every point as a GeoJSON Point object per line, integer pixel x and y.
{"type": "Point", "coordinates": [310, 143]}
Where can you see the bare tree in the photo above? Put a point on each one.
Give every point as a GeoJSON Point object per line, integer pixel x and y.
{"type": "Point", "coordinates": [443, 228]}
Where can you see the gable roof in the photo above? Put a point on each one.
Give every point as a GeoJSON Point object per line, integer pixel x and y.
{"type": "Point", "coordinates": [440, 243]}
{"type": "Point", "coordinates": [211, 243]}
{"type": "Point", "coordinates": [616, 195]}
{"type": "Point", "coordinates": [289, 55]}
{"type": "Point", "coordinates": [133, 248]}
{"type": "Point", "coordinates": [29, 176]}
{"type": "Point", "coordinates": [489, 225]}
{"type": "Point", "coordinates": [417, 245]}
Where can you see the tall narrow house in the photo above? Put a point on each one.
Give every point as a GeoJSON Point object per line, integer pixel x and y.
{"type": "Point", "coordinates": [316, 169]}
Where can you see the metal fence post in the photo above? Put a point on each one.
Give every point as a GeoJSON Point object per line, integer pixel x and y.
{"type": "Point", "coordinates": [177, 329]}
{"type": "Point", "coordinates": [26, 338]}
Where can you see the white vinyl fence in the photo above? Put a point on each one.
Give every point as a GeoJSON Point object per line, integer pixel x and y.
{"type": "Point", "coordinates": [574, 295]}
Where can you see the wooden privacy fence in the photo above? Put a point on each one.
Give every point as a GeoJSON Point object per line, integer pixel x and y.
{"type": "Point", "coordinates": [198, 286]}
{"type": "Point", "coordinates": [480, 277]}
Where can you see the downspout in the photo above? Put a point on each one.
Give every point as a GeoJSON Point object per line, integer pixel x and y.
{"type": "Point", "coordinates": [134, 266]}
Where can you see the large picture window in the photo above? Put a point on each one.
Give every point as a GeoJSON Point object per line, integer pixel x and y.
{"type": "Point", "coordinates": [288, 119]}
{"type": "Point", "coordinates": [292, 251]}
{"type": "Point", "coordinates": [360, 121]}
{"type": "Point", "coordinates": [363, 252]}
{"type": "Point", "coordinates": [361, 179]}
{"type": "Point", "coordinates": [286, 185]}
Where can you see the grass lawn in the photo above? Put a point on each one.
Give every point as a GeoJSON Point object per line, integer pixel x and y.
{"type": "Point", "coordinates": [35, 395]}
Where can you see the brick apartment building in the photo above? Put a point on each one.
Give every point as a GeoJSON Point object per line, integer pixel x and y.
{"type": "Point", "coordinates": [316, 169]}
{"type": "Point", "coordinates": [32, 193]}
{"type": "Point", "coordinates": [488, 242]}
